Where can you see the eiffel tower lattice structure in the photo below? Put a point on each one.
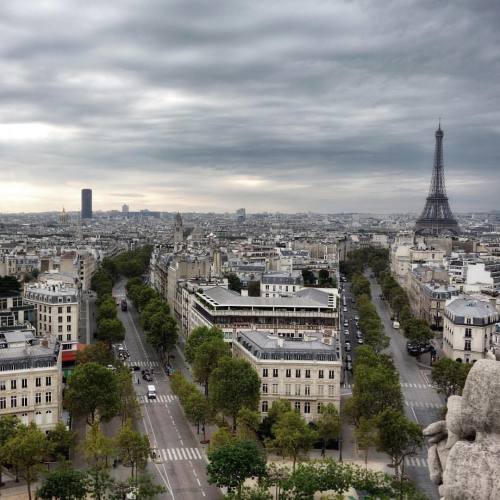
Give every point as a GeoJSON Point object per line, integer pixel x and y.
{"type": "Point", "coordinates": [436, 218]}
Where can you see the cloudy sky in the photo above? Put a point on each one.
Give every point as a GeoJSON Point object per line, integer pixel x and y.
{"type": "Point", "coordinates": [282, 105]}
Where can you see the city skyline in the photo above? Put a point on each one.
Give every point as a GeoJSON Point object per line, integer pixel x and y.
{"type": "Point", "coordinates": [329, 107]}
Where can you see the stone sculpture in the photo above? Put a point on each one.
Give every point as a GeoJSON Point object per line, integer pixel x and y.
{"type": "Point", "coordinates": [464, 456]}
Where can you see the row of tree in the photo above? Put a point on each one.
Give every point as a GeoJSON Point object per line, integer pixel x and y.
{"type": "Point", "coordinates": [154, 315]}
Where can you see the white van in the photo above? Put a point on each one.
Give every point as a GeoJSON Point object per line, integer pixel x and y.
{"type": "Point", "coordinates": [395, 324]}
{"type": "Point", "coordinates": [151, 392]}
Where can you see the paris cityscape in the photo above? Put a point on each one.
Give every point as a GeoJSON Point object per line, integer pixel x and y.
{"type": "Point", "coordinates": [249, 251]}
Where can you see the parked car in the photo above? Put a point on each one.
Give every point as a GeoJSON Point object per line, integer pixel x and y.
{"type": "Point", "coordinates": [135, 368]}
{"type": "Point", "coordinates": [356, 318]}
{"type": "Point", "coordinates": [344, 309]}
{"type": "Point", "coordinates": [348, 358]}
{"type": "Point", "coordinates": [348, 347]}
{"type": "Point", "coordinates": [360, 340]}
{"type": "Point", "coordinates": [349, 366]}
{"type": "Point", "coordinates": [346, 332]}
{"type": "Point", "coordinates": [346, 322]}
{"type": "Point", "coordinates": [417, 348]}
{"type": "Point", "coordinates": [146, 375]}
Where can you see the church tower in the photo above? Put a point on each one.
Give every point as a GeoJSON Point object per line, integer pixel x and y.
{"type": "Point", "coordinates": [178, 229]}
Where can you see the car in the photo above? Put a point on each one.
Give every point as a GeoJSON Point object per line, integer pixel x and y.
{"type": "Point", "coordinates": [356, 317]}
{"type": "Point", "coordinates": [348, 347]}
{"type": "Point", "coordinates": [359, 333]}
{"type": "Point", "coordinates": [349, 366]}
{"type": "Point", "coordinates": [146, 375]}
{"type": "Point", "coordinates": [348, 358]}
{"type": "Point", "coordinates": [346, 332]}
{"type": "Point", "coordinates": [151, 392]}
{"type": "Point", "coordinates": [346, 322]}
{"type": "Point", "coordinates": [417, 348]}
{"type": "Point", "coordinates": [360, 340]}
{"type": "Point", "coordinates": [134, 368]}
{"type": "Point", "coordinates": [344, 309]}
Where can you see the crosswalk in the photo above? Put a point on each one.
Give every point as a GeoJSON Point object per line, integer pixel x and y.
{"type": "Point", "coordinates": [145, 364]}
{"type": "Point", "coordinates": [423, 404]}
{"type": "Point", "coordinates": [177, 454]}
{"type": "Point", "coordinates": [160, 398]}
{"type": "Point", "coordinates": [409, 385]}
{"type": "Point", "coordinates": [415, 462]}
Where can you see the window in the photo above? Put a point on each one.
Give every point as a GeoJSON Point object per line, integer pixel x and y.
{"type": "Point", "coordinates": [59, 310]}
{"type": "Point", "coordinates": [48, 417]}
{"type": "Point", "coordinates": [13, 401]}
{"type": "Point", "coordinates": [320, 405]}
{"type": "Point", "coordinates": [331, 390]}
{"type": "Point", "coordinates": [296, 406]}
{"type": "Point", "coordinates": [68, 309]}
{"type": "Point", "coordinates": [38, 418]}
{"type": "Point", "coordinates": [307, 407]}
{"type": "Point", "coordinates": [68, 319]}
{"type": "Point", "coordinates": [467, 346]}
{"type": "Point", "coordinates": [59, 319]}
{"type": "Point", "coordinates": [275, 388]}
{"type": "Point", "coordinates": [48, 397]}
{"type": "Point", "coordinates": [288, 373]}
{"type": "Point", "coordinates": [25, 419]}
{"type": "Point", "coordinates": [320, 373]}
{"type": "Point", "coordinates": [265, 406]}
{"type": "Point", "coordinates": [24, 400]}
{"type": "Point", "coordinates": [275, 372]}
{"type": "Point", "coordinates": [264, 372]}
{"type": "Point", "coordinates": [320, 390]}
{"type": "Point", "coordinates": [297, 389]}
{"type": "Point", "coordinates": [297, 373]}
{"type": "Point", "coordinates": [3, 403]}
{"type": "Point", "coordinates": [264, 388]}
{"type": "Point", "coordinates": [468, 321]}
{"type": "Point", "coordinates": [68, 328]}
{"type": "Point", "coordinates": [307, 390]}
{"type": "Point", "coordinates": [48, 381]}
{"type": "Point", "coordinates": [38, 382]}
{"type": "Point", "coordinates": [13, 384]}
{"type": "Point", "coordinates": [331, 374]}
{"type": "Point", "coordinates": [2, 385]}
{"type": "Point", "coordinates": [68, 336]}
{"type": "Point", "coordinates": [59, 337]}
{"type": "Point", "coordinates": [59, 329]}
{"type": "Point", "coordinates": [288, 389]}
{"type": "Point", "coordinates": [308, 373]}
{"type": "Point", "coordinates": [24, 383]}
{"type": "Point", "coordinates": [468, 332]}
{"type": "Point", "coordinates": [38, 398]}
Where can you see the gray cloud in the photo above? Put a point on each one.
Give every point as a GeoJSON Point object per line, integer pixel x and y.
{"type": "Point", "coordinates": [327, 106]}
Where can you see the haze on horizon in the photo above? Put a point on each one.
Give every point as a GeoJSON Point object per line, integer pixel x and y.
{"type": "Point", "coordinates": [274, 106]}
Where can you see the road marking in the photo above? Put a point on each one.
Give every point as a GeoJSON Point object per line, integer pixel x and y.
{"type": "Point", "coordinates": [180, 454]}
{"type": "Point", "coordinates": [169, 454]}
{"type": "Point", "coordinates": [198, 481]}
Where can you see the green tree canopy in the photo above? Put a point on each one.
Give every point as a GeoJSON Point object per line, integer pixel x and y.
{"type": "Point", "coordinates": [198, 336]}
{"type": "Point", "coordinates": [64, 483]}
{"type": "Point", "coordinates": [162, 333]}
{"type": "Point", "coordinates": [234, 282]}
{"type": "Point", "coordinates": [133, 449]}
{"type": "Point", "coordinates": [328, 424]}
{"type": "Point", "coordinates": [60, 441]}
{"type": "Point", "coordinates": [111, 331]}
{"type": "Point", "coordinates": [234, 384]}
{"type": "Point", "coordinates": [449, 376]}
{"type": "Point", "coordinates": [232, 464]}
{"type": "Point", "coordinates": [95, 353]}
{"type": "Point", "coordinates": [8, 427]}
{"type": "Point", "coordinates": [92, 388]}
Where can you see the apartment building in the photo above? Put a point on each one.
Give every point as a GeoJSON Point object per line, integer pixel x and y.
{"type": "Point", "coordinates": [18, 265]}
{"type": "Point", "coordinates": [306, 372]}
{"type": "Point", "coordinates": [310, 310]}
{"type": "Point", "coordinates": [14, 311]}
{"type": "Point", "coordinates": [58, 311]}
{"type": "Point", "coordinates": [279, 284]}
{"type": "Point", "coordinates": [469, 329]}
{"type": "Point", "coordinates": [30, 378]}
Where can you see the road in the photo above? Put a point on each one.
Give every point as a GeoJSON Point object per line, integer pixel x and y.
{"type": "Point", "coordinates": [180, 466]}
{"type": "Point", "coordinates": [422, 402]}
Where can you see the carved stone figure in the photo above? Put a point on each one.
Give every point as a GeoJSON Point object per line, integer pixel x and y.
{"type": "Point", "coordinates": [464, 459]}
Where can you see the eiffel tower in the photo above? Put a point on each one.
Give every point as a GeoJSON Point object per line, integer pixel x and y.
{"type": "Point", "coordinates": [436, 218]}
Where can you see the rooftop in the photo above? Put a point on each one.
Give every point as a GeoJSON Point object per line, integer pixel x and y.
{"type": "Point", "coordinates": [480, 311]}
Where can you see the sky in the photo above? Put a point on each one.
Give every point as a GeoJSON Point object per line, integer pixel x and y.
{"type": "Point", "coordinates": [285, 105]}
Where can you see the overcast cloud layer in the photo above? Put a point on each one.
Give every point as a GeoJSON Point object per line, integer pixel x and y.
{"type": "Point", "coordinates": [272, 105]}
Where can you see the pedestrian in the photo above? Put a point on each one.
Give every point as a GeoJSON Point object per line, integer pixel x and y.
{"type": "Point", "coordinates": [138, 380]}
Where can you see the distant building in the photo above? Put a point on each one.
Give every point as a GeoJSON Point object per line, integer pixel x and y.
{"type": "Point", "coordinates": [276, 284]}
{"type": "Point", "coordinates": [86, 212]}
{"type": "Point", "coordinates": [178, 229]}
{"type": "Point", "coordinates": [241, 215]}
{"type": "Point", "coordinates": [125, 209]}
{"type": "Point", "coordinates": [30, 379]}
{"type": "Point", "coordinates": [469, 329]}
{"type": "Point", "coordinates": [306, 372]}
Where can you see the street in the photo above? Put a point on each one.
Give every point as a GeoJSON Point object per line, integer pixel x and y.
{"type": "Point", "coordinates": [180, 463]}
{"type": "Point", "coordinates": [422, 402]}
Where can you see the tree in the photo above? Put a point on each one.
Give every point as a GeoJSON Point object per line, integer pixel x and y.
{"type": "Point", "coordinates": [145, 295]}
{"type": "Point", "coordinates": [98, 449]}
{"type": "Point", "coordinates": [292, 436]}
{"type": "Point", "coordinates": [232, 464]}
{"type": "Point", "coordinates": [234, 282]}
{"type": "Point", "coordinates": [398, 437]}
{"type": "Point", "coordinates": [278, 407]}
{"type": "Point", "coordinates": [254, 288]}
{"type": "Point", "coordinates": [207, 358]}
{"type": "Point", "coordinates": [107, 309]}
{"type": "Point", "coordinates": [133, 449]}
{"type": "Point", "coordinates": [198, 336]}
{"type": "Point", "coordinates": [234, 384]}
{"type": "Point", "coordinates": [143, 486]}
{"type": "Point", "coordinates": [198, 410]}
{"type": "Point", "coordinates": [92, 388]}
{"type": "Point", "coordinates": [60, 441]}
{"type": "Point", "coordinates": [308, 277]}
{"type": "Point", "coordinates": [328, 424]}
{"type": "Point", "coordinates": [9, 284]}
{"type": "Point", "coordinates": [8, 428]}
{"type": "Point", "coordinates": [449, 376]}
{"type": "Point", "coordinates": [64, 483]}
{"type": "Point", "coordinates": [111, 331]}
{"type": "Point", "coordinates": [162, 334]}
{"type": "Point", "coordinates": [366, 436]}
{"type": "Point", "coordinates": [26, 451]}
{"type": "Point", "coordinates": [154, 306]}
{"type": "Point", "coordinates": [95, 353]}
{"type": "Point", "coordinates": [221, 437]}
{"type": "Point", "coordinates": [128, 407]}
{"type": "Point", "coordinates": [248, 422]}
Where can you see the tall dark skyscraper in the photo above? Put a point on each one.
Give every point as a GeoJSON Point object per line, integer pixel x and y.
{"type": "Point", "coordinates": [437, 218]}
{"type": "Point", "coordinates": [86, 203]}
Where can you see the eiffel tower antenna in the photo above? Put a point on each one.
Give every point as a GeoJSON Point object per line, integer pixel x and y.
{"type": "Point", "coordinates": [436, 218]}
